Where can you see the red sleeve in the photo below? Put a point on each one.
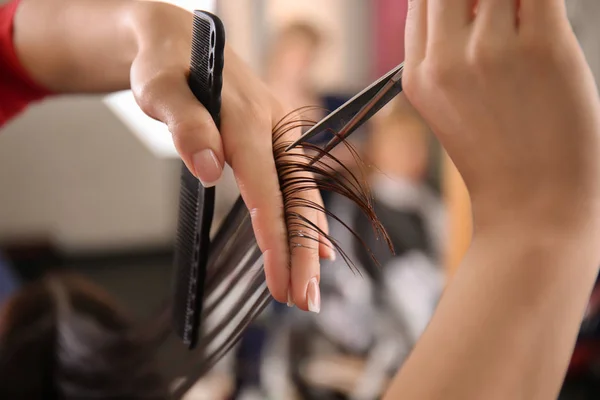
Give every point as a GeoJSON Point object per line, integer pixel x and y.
{"type": "Point", "coordinates": [17, 89]}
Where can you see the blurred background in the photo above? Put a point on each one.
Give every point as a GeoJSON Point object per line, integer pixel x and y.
{"type": "Point", "coordinates": [91, 184]}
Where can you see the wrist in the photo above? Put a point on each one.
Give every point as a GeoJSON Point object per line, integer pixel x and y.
{"type": "Point", "coordinates": [157, 25]}
{"type": "Point", "coordinates": [541, 242]}
{"type": "Point", "coordinates": [552, 213]}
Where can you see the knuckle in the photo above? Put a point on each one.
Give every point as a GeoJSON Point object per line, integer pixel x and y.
{"type": "Point", "coordinates": [180, 132]}
{"type": "Point", "coordinates": [279, 109]}
{"type": "Point", "coordinates": [145, 91]}
{"type": "Point", "coordinates": [189, 133]}
{"type": "Point", "coordinates": [265, 213]}
{"type": "Point", "coordinates": [486, 56]}
{"type": "Point", "coordinates": [143, 94]}
{"type": "Point", "coordinates": [410, 83]}
{"type": "Point", "coordinates": [181, 128]}
{"type": "Point", "coordinates": [443, 72]}
{"type": "Point", "coordinates": [252, 116]}
{"type": "Point", "coordinates": [260, 115]}
{"type": "Point", "coordinates": [537, 48]}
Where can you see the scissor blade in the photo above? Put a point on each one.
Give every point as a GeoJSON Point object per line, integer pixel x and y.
{"type": "Point", "coordinates": [338, 119]}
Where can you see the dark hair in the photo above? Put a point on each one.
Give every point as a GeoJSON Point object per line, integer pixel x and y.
{"type": "Point", "coordinates": [63, 338]}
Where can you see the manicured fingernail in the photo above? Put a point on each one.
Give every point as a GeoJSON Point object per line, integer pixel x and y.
{"type": "Point", "coordinates": [290, 302]}
{"type": "Point", "coordinates": [313, 294]}
{"type": "Point", "coordinates": [332, 255]}
{"type": "Point", "coordinates": [207, 167]}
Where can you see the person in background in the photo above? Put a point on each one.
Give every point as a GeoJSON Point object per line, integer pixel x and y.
{"type": "Point", "coordinates": [64, 338]}
{"type": "Point", "coordinates": [290, 65]}
{"type": "Point", "coordinates": [399, 146]}
{"type": "Point", "coordinates": [9, 279]}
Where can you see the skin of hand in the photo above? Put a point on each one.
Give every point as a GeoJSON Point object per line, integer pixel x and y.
{"type": "Point", "coordinates": [88, 46]}
{"type": "Point", "coordinates": [507, 90]}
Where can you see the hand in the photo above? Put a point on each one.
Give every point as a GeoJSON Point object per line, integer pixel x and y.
{"type": "Point", "coordinates": [514, 103]}
{"type": "Point", "coordinates": [510, 96]}
{"type": "Point", "coordinates": [249, 112]}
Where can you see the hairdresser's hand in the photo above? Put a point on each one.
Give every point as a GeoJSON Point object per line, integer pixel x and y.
{"type": "Point", "coordinates": [249, 113]}
{"type": "Point", "coordinates": [513, 102]}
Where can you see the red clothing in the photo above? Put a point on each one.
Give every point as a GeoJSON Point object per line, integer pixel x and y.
{"type": "Point", "coordinates": [17, 89]}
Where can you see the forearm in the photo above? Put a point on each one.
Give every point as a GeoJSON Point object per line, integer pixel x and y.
{"type": "Point", "coordinates": [506, 326]}
{"type": "Point", "coordinates": [78, 45]}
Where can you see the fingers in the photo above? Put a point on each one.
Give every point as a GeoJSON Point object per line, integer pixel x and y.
{"type": "Point", "coordinates": [303, 228]}
{"type": "Point", "coordinates": [440, 23]}
{"type": "Point", "coordinates": [197, 140]}
{"type": "Point", "coordinates": [416, 31]}
{"type": "Point", "coordinates": [251, 158]}
{"type": "Point", "coordinates": [304, 248]}
{"type": "Point", "coordinates": [325, 248]}
{"type": "Point", "coordinates": [447, 19]}
{"type": "Point", "coordinates": [541, 12]}
{"type": "Point", "coordinates": [497, 17]}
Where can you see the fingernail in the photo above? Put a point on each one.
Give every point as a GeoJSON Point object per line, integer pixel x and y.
{"type": "Point", "coordinates": [313, 295]}
{"type": "Point", "coordinates": [332, 255]}
{"type": "Point", "coordinates": [290, 302]}
{"type": "Point", "coordinates": [207, 167]}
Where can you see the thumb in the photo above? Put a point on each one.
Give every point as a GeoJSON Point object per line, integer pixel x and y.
{"type": "Point", "coordinates": [169, 99]}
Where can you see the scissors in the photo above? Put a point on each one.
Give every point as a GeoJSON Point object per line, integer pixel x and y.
{"type": "Point", "coordinates": [346, 119]}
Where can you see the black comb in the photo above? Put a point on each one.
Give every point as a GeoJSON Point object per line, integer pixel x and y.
{"type": "Point", "coordinates": [196, 203]}
{"type": "Point", "coordinates": [235, 293]}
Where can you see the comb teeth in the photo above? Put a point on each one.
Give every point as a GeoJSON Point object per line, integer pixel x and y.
{"type": "Point", "coordinates": [186, 257]}
{"type": "Point", "coordinates": [228, 307]}
{"type": "Point", "coordinates": [200, 70]}
{"type": "Point", "coordinates": [196, 203]}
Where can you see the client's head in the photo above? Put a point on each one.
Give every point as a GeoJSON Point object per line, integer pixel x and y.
{"type": "Point", "coordinates": [399, 144]}
{"type": "Point", "coordinates": [293, 52]}
{"type": "Point", "coordinates": [63, 338]}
